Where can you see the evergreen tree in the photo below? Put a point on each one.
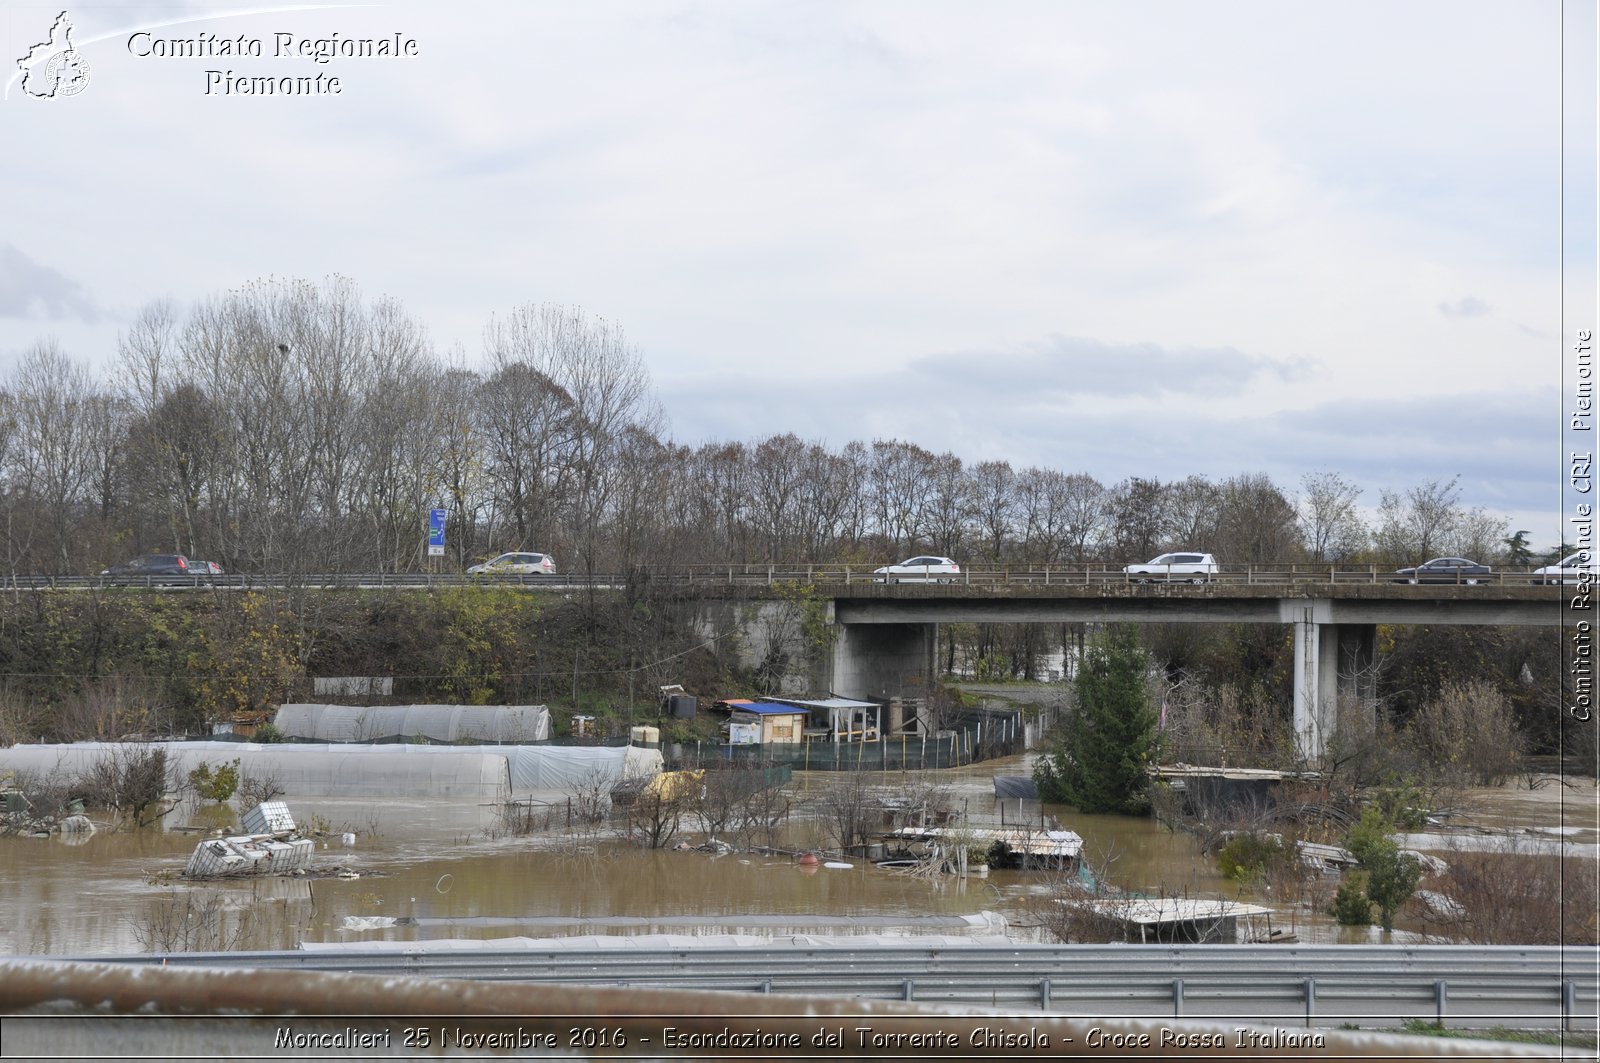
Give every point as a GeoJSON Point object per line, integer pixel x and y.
{"type": "Point", "coordinates": [1098, 764]}
{"type": "Point", "coordinates": [1392, 876]}
{"type": "Point", "coordinates": [1517, 549]}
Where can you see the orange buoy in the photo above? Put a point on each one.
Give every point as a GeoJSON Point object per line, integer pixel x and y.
{"type": "Point", "coordinates": [809, 860]}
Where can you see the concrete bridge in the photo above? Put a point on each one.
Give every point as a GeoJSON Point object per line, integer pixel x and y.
{"type": "Point", "coordinates": [887, 633]}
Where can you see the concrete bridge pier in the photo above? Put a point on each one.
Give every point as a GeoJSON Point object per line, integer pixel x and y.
{"type": "Point", "coordinates": [1334, 669]}
{"type": "Point", "coordinates": [870, 660]}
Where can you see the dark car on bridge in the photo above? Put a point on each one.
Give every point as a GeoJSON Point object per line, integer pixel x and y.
{"type": "Point", "coordinates": [1444, 570]}
{"type": "Point", "coordinates": [152, 565]}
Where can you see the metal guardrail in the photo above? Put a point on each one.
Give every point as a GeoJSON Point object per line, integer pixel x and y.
{"type": "Point", "coordinates": [1546, 987]}
{"type": "Point", "coordinates": [61, 1010]}
{"type": "Point", "coordinates": [825, 576]}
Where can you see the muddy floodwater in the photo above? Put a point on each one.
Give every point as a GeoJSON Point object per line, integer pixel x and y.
{"type": "Point", "coordinates": [435, 868]}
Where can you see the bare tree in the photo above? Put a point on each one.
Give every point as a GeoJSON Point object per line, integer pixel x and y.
{"type": "Point", "coordinates": [994, 505]}
{"type": "Point", "coordinates": [593, 387]}
{"type": "Point", "coordinates": [171, 453]}
{"type": "Point", "coordinates": [531, 431]}
{"type": "Point", "coordinates": [1479, 534]}
{"type": "Point", "coordinates": [718, 494]}
{"type": "Point", "coordinates": [899, 483]}
{"type": "Point", "coordinates": [1136, 510]}
{"type": "Point", "coordinates": [1417, 525]}
{"type": "Point", "coordinates": [18, 530]}
{"type": "Point", "coordinates": [1330, 523]}
{"type": "Point", "coordinates": [950, 504]}
{"type": "Point", "coordinates": [828, 498]}
{"type": "Point", "coordinates": [1044, 501]}
{"type": "Point", "coordinates": [1192, 506]}
{"type": "Point", "coordinates": [1255, 521]}
{"type": "Point", "coordinates": [1082, 507]}
{"type": "Point", "coordinates": [52, 394]}
{"type": "Point", "coordinates": [457, 465]}
{"type": "Point", "coordinates": [400, 421]}
{"type": "Point", "coordinates": [846, 808]}
{"type": "Point", "coordinates": [777, 471]}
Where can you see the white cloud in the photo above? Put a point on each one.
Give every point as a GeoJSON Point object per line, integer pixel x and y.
{"type": "Point", "coordinates": [32, 290]}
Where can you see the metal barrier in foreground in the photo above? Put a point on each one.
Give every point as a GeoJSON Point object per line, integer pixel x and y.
{"type": "Point", "coordinates": [61, 1009]}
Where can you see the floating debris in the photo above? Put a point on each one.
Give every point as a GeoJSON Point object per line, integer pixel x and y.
{"type": "Point", "coordinates": [269, 817]}
{"type": "Point", "coordinates": [1325, 857]}
{"type": "Point", "coordinates": [268, 849]}
{"type": "Point", "coordinates": [1438, 906]}
{"type": "Point", "coordinates": [248, 854]}
{"type": "Point", "coordinates": [1431, 865]}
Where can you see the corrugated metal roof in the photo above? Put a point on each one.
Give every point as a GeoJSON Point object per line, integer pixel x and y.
{"type": "Point", "coordinates": [830, 703]}
{"type": "Point", "coordinates": [769, 708]}
{"type": "Point", "coordinates": [1155, 910]}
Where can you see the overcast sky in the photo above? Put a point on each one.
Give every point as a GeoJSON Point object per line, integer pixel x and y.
{"type": "Point", "coordinates": [1143, 238]}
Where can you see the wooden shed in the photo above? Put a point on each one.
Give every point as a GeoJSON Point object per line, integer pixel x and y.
{"type": "Point", "coordinates": [766, 723]}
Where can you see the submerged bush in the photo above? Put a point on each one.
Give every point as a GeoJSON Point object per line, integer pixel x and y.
{"type": "Point", "coordinates": [218, 785]}
{"type": "Point", "coordinates": [1249, 857]}
{"type": "Point", "coordinates": [128, 779]}
{"type": "Point", "coordinates": [1350, 905]}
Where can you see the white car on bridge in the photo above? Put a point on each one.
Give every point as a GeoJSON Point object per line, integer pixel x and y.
{"type": "Point", "coordinates": [919, 570]}
{"type": "Point", "coordinates": [1581, 567]}
{"type": "Point", "coordinates": [1182, 566]}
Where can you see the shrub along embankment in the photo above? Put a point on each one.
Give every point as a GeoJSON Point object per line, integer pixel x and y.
{"type": "Point", "coordinates": [104, 664]}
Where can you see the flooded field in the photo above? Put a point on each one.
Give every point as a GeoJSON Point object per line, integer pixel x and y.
{"type": "Point", "coordinates": [434, 868]}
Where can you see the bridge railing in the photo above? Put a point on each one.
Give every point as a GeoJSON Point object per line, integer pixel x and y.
{"type": "Point", "coordinates": [697, 576]}
{"type": "Point", "coordinates": [1268, 574]}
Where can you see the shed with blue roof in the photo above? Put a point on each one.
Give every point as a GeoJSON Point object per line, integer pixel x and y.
{"type": "Point", "coordinates": [766, 723]}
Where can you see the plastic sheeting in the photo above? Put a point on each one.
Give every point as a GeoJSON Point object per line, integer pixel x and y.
{"type": "Point", "coordinates": [384, 770]}
{"type": "Point", "coordinates": [303, 770]}
{"type": "Point", "coordinates": [437, 723]}
{"type": "Point", "coordinates": [641, 942]}
{"type": "Point", "coordinates": [576, 767]}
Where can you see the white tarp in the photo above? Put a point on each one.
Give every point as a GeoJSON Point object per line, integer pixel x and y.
{"type": "Point", "coordinates": [383, 770]}
{"type": "Point", "coordinates": [576, 767]}
{"type": "Point", "coordinates": [303, 770]}
{"type": "Point", "coordinates": [437, 723]}
{"type": "Point", "coordinates": [644, 942]}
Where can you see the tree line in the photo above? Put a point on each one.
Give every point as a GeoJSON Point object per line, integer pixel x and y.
{"type": "Point", "coordinates": [291, 426]}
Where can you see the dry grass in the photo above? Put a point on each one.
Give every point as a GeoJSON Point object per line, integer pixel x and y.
{"type": "Point", "coordinates": [1466, 736]}
{"type": "Point", "coordinates": [1515, 897]}
{"type": "Point", "coordinates": [1225, 728]}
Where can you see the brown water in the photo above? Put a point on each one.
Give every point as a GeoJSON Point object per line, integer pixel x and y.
{"type": "Point", "coordinates": [434, 869]}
